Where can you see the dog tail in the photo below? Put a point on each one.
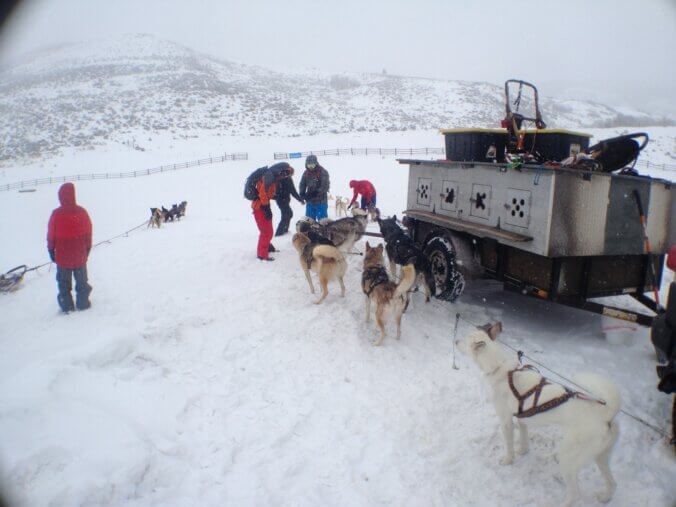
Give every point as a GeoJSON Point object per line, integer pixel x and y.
{"type": "Point", "coordinates": [407, 280]}
{"type": "Point", "coordinates": [604, 390]}
{"type": "Point", "coordinates": [328, 254]}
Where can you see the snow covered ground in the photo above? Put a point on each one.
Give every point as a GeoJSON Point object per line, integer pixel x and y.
{"type": "Point", "coordinates": [201, 376]}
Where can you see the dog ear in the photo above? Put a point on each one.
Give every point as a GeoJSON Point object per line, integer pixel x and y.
{"type": "Point", "coordinates": [380, 248]}
{"type": "Point", "coordinates": [476, 347]}
{"type": "Point", "coordinates": [368, 247]}
{"type": "Point", "coordinates": [494, 330]}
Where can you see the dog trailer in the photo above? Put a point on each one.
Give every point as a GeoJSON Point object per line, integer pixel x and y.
{"type": "Point", "coordinates": [559, 234]}
{"type": "Point", "coordinates": [565, 233]}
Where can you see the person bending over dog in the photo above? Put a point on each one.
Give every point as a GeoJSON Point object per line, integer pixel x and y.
{"type": "Point", "coordinates": [69, 240]}
{"type": "Point", "coordinates": [286, 189]}
{"type": "Point", "coordinates": [260, 188]}
{"type": "Point", "coordinates": [313, 187]}
{"type": "Point", "coordinates": [367, 191]}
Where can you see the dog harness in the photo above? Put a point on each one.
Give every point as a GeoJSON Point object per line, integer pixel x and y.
{"type": "Point", "coordinates": [536, 390]}
{"type": "Point", "coordinates": [375, 275]}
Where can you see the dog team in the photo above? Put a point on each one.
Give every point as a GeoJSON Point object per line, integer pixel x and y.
{"type": "Point", "coordinates": [164, 215]}
{"type": "Point", "coordinates": [518, 392]}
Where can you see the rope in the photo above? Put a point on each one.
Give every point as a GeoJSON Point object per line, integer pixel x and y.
{"type": "Point", "coordinates": [124, 234]}
{"type": "Point", "coordinates": [520, 354]}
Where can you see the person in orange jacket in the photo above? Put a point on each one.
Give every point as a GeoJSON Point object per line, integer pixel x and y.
{"type": "Point", "coordinates": [266, 187]}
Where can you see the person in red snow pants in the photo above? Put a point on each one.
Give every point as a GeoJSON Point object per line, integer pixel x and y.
{"type": "Point", "coordinates": [266, 186]}
{"type": "Point", "coordinates": [69, 240]}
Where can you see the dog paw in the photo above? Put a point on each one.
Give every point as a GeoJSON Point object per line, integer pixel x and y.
{"type": "Point", "coordinates": [507, 460]}
{"type": "Point", "coordinates": [522, 450]}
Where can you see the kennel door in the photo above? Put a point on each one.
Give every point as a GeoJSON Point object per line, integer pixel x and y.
{"type": "Point", "coordinates": [449, 195]}
{"type": "Point", "coordinates": [424, 191]}
{"type": "Point", "coordinates": [518, 207]}
{"type": "Point", "coordinates": [481, 201]}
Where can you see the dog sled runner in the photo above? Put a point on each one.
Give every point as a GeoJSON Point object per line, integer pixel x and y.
{"type": "Point", "coordinates": [544, 213]}
{"type": "Point", "coordinates": [10, 281]}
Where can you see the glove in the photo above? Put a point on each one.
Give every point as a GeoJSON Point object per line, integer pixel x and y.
{"type": "Point", "coordinates": [302, 202]}
{"type": "Point", "coordinates": [267, 211]}
{"type": "Point", "coordinates": [52, 254]}
{"type": "Point", "coordinates": [351, 206]}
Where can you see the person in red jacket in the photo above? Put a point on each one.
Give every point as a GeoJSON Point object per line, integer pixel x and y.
{"type": "Point", "coordinates": [367, 191]}
{"type": "Point", "coordinates": [69, 240]}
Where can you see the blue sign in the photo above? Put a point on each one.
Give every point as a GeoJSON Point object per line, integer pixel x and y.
{"type": "Point", "coordinates": [295, 155]}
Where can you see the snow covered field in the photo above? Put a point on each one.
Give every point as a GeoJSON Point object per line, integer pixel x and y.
{"type": "Point", "coordinates": [203, 377]}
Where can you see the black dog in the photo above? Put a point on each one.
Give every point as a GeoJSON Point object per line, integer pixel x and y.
{"type": "Point", "coordinates": [402, 250]}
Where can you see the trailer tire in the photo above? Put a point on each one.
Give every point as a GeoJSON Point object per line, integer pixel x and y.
{"type": "Point", "coordinates": [448, 281]}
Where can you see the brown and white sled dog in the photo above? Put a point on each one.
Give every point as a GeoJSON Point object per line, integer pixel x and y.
{"type": "Point", "coordinates": [389, 297]}
{"type": "Point", "coordinates": [325, 260]}
{"type": "Point", "coordinates": [589, 429]}
{"type": "Point", "coordinates": [155, 219]}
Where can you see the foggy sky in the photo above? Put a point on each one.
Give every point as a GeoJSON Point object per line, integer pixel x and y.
{"type": "Point", "coordinates": [620, 52]}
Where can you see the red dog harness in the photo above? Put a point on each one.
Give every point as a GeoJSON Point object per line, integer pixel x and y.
{"type": "Point", "coordinates": [536, 390]}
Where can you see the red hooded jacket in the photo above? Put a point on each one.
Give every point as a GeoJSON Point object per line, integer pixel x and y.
{"type": "Point", "coordinates": [69, 232]}
{"type": "Point", "coordinates": [671, 258]}
{"type": "Point", "coordinates": [363, 187]}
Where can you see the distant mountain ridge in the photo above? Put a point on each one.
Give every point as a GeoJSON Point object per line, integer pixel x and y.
{"type": "Point", "coordinates": [92, 93]}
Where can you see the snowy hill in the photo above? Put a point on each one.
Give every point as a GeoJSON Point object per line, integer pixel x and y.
{"type": "Point", "coordinates": [132, 89]}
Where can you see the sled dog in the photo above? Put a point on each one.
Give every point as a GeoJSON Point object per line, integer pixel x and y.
{"type": "Point", "coordinates": [343, 233]}
{"type": "Point", "coordinates": [181, 209]}
{"type": "Point", "coordinates": [155, 218]}
{"type": "Point", "coordinates": [388, 296]}
{"type": "Point", "coordinates": [589, 428]}
{"type": "Point", "coordinates": [341, 206]}
{"type": "Point", "coordinates": [402, 250]}
{"type": "Point", "coordinates": [325, 260]}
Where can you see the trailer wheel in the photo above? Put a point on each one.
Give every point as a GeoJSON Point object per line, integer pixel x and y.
{"type": "Point", "coordinates": [448, 281]}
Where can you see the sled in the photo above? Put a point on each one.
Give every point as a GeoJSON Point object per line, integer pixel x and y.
{"type": "Point", "coordinates": [10, 281]}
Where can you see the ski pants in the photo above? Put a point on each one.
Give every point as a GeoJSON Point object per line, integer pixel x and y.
{"type": "Point", "coordinates": [265, 229]}
{"type": "Point", "coordinates": [367, 205]}
{"type": "Point", "coordinates": [64, 279]}
{"type": "Point", "coordinates": [287, 213]}
{"type": "Point", "coordinates": [317, 211]}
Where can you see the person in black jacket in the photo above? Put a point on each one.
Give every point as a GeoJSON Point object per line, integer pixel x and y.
{"type": "Point", "coordinates": [285, 189]}
{"type": "Point", "coordinates": [314, 184]}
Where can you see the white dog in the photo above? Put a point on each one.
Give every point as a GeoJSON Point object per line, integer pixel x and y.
{"type": "Point", "coordinates": [589, 429]}
{"type": "Point", "coordinates": [341, 206]}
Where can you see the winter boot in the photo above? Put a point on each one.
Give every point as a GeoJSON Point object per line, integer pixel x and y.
{"type": "Point", "coordinates": [271, 248]}
{"type": "Point", "coordinates": [82, 303]}
{"type": "Point", "coordinates": [65, 301]}
{"type": "Point", "coordinates": [266, 258]}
